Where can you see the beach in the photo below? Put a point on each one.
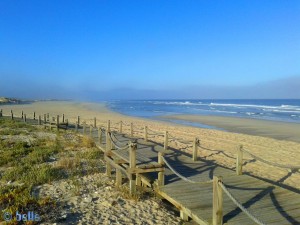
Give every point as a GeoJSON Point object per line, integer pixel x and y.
{"type": "Point", "coordinates": [272, 141]}
{"type": "Point", "coordinates": [273, 129]}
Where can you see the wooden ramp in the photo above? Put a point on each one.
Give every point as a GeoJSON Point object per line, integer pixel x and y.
{"type": "Point", "coordinates": [269, 203]}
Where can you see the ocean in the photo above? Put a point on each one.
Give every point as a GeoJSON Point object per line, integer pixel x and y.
{"type": "Point", "coordinates": [285, 110]}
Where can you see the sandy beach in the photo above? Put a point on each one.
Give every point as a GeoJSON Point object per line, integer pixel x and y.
{"type": "Point", "coordinates": [277, 130]}
{"type": "Point", "coordinates": [275, 142]}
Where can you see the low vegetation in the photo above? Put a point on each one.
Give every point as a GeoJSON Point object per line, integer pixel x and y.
{"type": "Point", "coordinates": [31, 156]}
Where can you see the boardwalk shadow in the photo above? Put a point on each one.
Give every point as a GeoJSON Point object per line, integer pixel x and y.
{"type": "Point", "coordinates": [278, 183]}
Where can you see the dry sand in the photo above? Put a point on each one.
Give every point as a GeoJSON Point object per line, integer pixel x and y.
{"type": "Point", "coordinates": [275, 142]}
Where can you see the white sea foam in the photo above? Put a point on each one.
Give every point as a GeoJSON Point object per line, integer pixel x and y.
{"type": "Point", "coordinates": [297, 108]}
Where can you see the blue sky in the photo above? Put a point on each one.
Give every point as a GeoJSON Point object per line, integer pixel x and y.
{"type": "Point", "coordinates": [150, 49]}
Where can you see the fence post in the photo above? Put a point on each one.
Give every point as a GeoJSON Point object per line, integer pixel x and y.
{"type": "Point", "coordinates": [161, 174]}
{"type": "Point", "coordinates": [1, 113]}
{"type": "Point", "coordinates": [78, 120]}
{"type": "Point", "coordinates": [108, 126]}
{"type": "Point", "coordinates": [22, 114]}
{"type": "Point", "coordinates": [33, 115]}
{"type": "Point", "coordinates": [146, 133]}
{"type": "Point", "coordinates": [239, 160]}
{"type": "Point", "coordinates": [77, 124]}
{"type": "Point", "coordinates": [100, 134]}
{"type": "Point", "coordinates": [57, 122]}
{"type": "Point", "coordinates": [63, 119]}
{"type": "Point", "coordinates": [217, 201]}
{"type": "Point", "coordinates": [84, 128]}
{"type": "Point", "coordinates": [91, 131]}
{"type": "Point", "coordinates": [166, 141]}
{"type": "Point", "coordinates": [40, 120]}
{"type": "Point", "coordinates": [118, 177]}
{"type": "Point", "coordinates": [12, 115]}
{"type": "Point", "coordinates": [195, 149]}
{"type": "Point", "coordinates": [131, 129]}
{"type": "Point", "coordinates": [120, 128]}
{"type": "Point", "coordinates": [132, 165]}
{"type": "Point", "coordinates": [24, 118]}
{"type": "Point", "coordinates": [48, 117]}
{"type": "Point", "coordinates": [108, 148]}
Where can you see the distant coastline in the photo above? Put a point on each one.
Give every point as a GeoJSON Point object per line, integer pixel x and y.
{"type": "Point", "coordinates": [11, 101]}
{"type": "Point", "coordinates": [5, 100]}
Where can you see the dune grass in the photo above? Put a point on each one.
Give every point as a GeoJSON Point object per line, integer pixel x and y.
{"type": "Point", "coordinates": [26, 164]}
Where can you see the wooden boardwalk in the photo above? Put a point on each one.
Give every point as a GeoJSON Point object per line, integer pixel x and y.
{"type": "Point", "coordinates": [267, 201]}
{"type": "Point", "coordinates": [270, 203]}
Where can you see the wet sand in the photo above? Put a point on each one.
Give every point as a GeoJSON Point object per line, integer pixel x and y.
{"type": "Point", "coordinates": [264, 128]}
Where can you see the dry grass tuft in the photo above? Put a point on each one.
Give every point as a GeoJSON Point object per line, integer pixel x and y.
{"type": "Point", "coordinates": [125, 193]}
{"type": "Point", "coordinates": [87, 142]}
{"type": "Point", "coordinates": [68, 163]}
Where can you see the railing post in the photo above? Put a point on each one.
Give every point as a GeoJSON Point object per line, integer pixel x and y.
{"type": "Point", "coordinates": [118, 177]}
{"type": "Point", "coordinates": [22, 115]}
{"type": "Point", "coordinates": [146, 133]}
{"type": "Point", "coordinates": [217, 201]}
{"type": "Point", "coordinates": [57, 122]}
{"type": "Point", "coordinates": [100, 134]}
{"type": "Point", "coordinates": [108, 149]}
{"type": "Point", "coordinates": [40, 120]}
{"type": "Point", "coordinates": [95, 122]}
{"type": "Point", "coordinates": [48, 117]}
{"type": "Point", "coordinates": [195, 149]}
{"type": "Point", "coordinates": [33, 115]}
{"type": "Point", "coordinates": [78, 120]}
{"type": "Point", "coordinates": [108, 142]}
{"type": "Point", "coordinates": [120, 128]}
{"type": "Point", "coordinates": [161, 174]}
{"type": "Point", "coordinates": [132, 165]}
{"type": "Point", "coordinates": [239, 160]}
{"type": "Point", "coordinates": [91, 131]}
{"type": "Point", "coordinates": [166, 141]}
{"type": "Point", "coordinates": [25, 118]}
{"type": "Point", "coordinates": [131, 130]}
{"type": "Point", "coordinates": [84, 128]}
{"type": "Point", "coordinates": [63, 119]}
{"type": "Point", "coordinates": [77, 124]}
{"type": "Point", "coordinates": [108, 126]}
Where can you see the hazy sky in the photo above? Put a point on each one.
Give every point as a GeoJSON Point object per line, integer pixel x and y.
{"type": "Point", "coordinates": [150, 49]}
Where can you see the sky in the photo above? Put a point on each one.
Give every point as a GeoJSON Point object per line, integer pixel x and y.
{"type": "Point", "coordinates": [97, 50]}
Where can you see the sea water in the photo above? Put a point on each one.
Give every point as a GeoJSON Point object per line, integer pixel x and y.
{"type": "Point", "coordinates": [285, 110]}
